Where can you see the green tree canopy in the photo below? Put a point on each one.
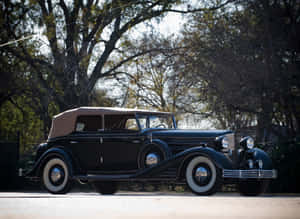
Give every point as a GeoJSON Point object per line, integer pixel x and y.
{"type": "Point", "coordinates": [81, 40]}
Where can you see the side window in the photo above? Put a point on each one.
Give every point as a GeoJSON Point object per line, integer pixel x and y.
{"type": "Point", "coordinates": [131, 124]}
{"type": "Point", "coordinates": [120, 123]}
{"type": "Point", "coordinates": [88, 124]}
{"type": "Point", "coordinates": [114, 122]}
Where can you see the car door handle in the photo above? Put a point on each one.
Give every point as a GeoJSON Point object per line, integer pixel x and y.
{"type": "Point", "coordinates": [136, 141]}
{"type": "Point", "coordinates": [73, 142]}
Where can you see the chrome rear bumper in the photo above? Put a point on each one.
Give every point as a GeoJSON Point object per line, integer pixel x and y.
{"type": "Point", "coordinates": [250, 174]}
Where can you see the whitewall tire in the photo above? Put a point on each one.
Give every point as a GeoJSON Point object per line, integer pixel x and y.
{"type": "Point", "coordinates": [55, 176]}
{"type": "Point", "coordinates": [202, 176]}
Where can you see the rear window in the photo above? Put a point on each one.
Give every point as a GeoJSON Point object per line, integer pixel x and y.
{"type": "Point", "coordinates": [88, 124]}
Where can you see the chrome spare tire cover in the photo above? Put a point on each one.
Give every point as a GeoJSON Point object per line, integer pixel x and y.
{"type": "Point", "coordinates": [152, 159]}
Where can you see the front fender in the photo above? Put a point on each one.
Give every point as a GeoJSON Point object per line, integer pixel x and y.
{"type": "Point", "coordinates": [52, 152]}
{"type": "Point", "coordinates": [218, 158]}
{"type": "Point", "coordinates": [259, 154]}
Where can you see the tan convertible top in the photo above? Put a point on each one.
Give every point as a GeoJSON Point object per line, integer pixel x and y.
{"type": "Point", "coordinates": [64, 123]}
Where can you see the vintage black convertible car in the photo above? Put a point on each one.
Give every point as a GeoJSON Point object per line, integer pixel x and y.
{"type": "Point", "coordinates": [105, 146]}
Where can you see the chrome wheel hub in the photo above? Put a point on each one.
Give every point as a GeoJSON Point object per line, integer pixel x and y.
{"type": "Point", "coordinates": [202, 175]}
{"type": "Point", "coordinates": [56, 175]}
{"type": "Point", "coordinates": [152, 159]}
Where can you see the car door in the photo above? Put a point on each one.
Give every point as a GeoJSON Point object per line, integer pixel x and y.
{"type": "Point", "coordinates": [119, 151]}
{"type": "Point", "coordinates": [85, 147]}
{"type": "Point", "coordinates": [120, 145]}
{"type": "Point", "coordinates": [85, 141]}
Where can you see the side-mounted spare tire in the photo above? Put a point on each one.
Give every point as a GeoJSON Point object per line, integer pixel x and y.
{"type": "Point", "coordinates": [153, 153]}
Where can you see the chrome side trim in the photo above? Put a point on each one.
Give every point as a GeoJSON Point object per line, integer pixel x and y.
{"type": "Point", "coordinates": [250, 174]}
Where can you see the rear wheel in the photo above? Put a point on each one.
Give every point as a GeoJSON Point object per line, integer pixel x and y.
{"type": "Point", "coordinates": [55, 176]}
{"type": "Point", "coordinates": [202, 176]}
{"type": "Point", "coordinates": [253, 187]}
{"type": "Point", "coordinates": [105, 188]}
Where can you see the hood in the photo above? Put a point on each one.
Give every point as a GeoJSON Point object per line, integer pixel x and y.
{"type": "Point", "coordinates": [187, 133]}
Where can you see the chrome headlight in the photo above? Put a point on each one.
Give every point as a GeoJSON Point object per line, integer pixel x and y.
{"type": "Point", "coordinates": [225, 141]}
{"type": "Point", "coordinates": [247, 142]}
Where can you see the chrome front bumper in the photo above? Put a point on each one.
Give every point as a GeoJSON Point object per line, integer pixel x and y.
{"type": "Point", "coordinates": [250, 174]}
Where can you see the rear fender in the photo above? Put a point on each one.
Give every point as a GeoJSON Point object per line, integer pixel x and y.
{"type": "Point", "coordinates": [52, 152]}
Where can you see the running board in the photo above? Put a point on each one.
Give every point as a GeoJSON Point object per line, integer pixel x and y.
{"type": "Point", "coordinates": [94, 177]}
{"type": "Point", "coordinates": [139, 176]}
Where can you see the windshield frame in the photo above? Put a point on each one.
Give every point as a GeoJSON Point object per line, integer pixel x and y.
{"type": "Point", "coordinates": [147, 116]}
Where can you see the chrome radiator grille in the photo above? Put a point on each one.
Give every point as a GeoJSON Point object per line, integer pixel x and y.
{"type": "Point", "coordinates": [250, 174]}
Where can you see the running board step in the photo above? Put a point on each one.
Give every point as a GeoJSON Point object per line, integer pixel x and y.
{"type": "Point", "coordinates": [93, 177]}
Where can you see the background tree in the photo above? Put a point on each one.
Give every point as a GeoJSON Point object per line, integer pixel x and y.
{"type": "Point", "coordinates": [154, 80]}
{"type": "Point", "coordinates": [82, 38]}
{"type": "Point", "coordinates": [12, 81]}
{"type": "Point", "coordinates": [245, 65]}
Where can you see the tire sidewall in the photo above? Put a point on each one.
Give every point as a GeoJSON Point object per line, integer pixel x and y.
{"type": "Point", "coordinates": [48, 185]}
{"type": "Point", "coordinates": [214, 182]}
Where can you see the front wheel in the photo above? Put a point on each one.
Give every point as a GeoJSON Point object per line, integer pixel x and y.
{"type": "Point", "coordinates": [202, 176]}
{"type": "Point", "coordinates": [55, 176]}
{"type": "Point", "coordinates": [253, 187]}
{"type": "Point", "coordinates": [105, 188]}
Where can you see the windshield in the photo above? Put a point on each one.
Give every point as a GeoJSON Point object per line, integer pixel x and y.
{"type": "Point", "coordinates": [156, 121]}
